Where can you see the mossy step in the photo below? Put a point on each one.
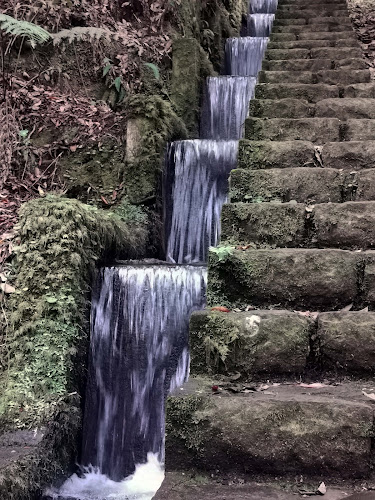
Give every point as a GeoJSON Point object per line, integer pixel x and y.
{"type": "Point", "coordinates": [338, 21]}
{"type": "Point", "coordinates": [303, 185]}
{"type": "Point", "coordinates": [287, 430]}
{"type": "Point", "coordinates": [316, 130]}
{"type": "Point", "coordinates": [302, 3]}
{"type": "Point", "coordinates": [311, 35]}
{"type": "Point", "coordinates": [324, 27]}
{"type": "Point", "coordinates": [292, 278]}
{"type": "Point", "coordinates": [349, 225]}
{"type": "Point", "coordinates": [314, 53]}
{"type": "Point", "coordinates": [313, 92]}
{"type": "Point", "coordinates": [353, 155]}
{"type": "Point", "coordinates": [259, 155]}
{"type": "Point", "coordinates": [274, 342]}
{"type": "Point", "coordinates": [309, 6]}
{"type": "Point", "coordinates": [313, 64]}
{"type": "Point", "coordinates": [280, 342]}
{"type": "Point", "coordinates": [323, 12]}
{"type": "Point", "coordinates": [329, 76]}
{"type": "Point", "coordinates": [343, 109]}
{"type": "Point", "coordinates": [309, 44]}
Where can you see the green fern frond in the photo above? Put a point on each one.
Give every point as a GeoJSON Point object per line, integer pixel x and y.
{"type": "Point", "coordinates": [35, 34]}
{"type": "Point", "coordinates": [80, 33]}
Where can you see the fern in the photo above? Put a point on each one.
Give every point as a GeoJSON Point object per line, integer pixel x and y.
{"type": "Point", "coordinates": [83, 33]}
{"type": "Point", "coordinates": [35, 34]}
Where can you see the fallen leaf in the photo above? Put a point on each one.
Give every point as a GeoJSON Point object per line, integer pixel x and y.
{"type": "Point", "coordinates": [219, 308]}
{"type": "Point", "coordinates": [315, 385]}
{"type": "Point", "coordinates": [347, 308]}
{"type": "Point", "coordinates": [73, 148]}
{"type": "Point", "coordinates": [368, 395]}
{"type": "Point", "coordinates": [104, 200]}
{"type": "Point", "coordinates": [6, 288]}
{"type": "Point", "coordinates": [322, 490]}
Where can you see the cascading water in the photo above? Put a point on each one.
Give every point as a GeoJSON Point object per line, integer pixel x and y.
{"type": "Point", "coordinates": [140, 313]}
{"type": "Point", "coordinates": [263, 6]}
{"type": "Point", "coordinates": [197, 176]}
{"type": "Point", "coordinates": [225, 106]}
{"type": "Point", "coordinates": [244, 55]}
{"type": "Point", "coordinates": [260, 24]}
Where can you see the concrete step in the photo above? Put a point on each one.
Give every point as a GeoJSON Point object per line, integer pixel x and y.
{"type": "Point", "coordinates": [313, 64]}
{"type": "Point", "coordinates": [311, 35]}
{"type": "Point", "coordinates": [306, 184]}
{"type": "Point", "coordinates": [280, 342]}
{"type": "Point", "coordinates": [325, 27]}
{"type": "Point", "coordinates": [289, 430]}
{"type": "Point", "coordinates": [349, 225]}
{"type": "Point", "coordinates": [331, 77]}
{"type": "Point", "coordinates": [349, 156]}
{"type": "Point", "coordinates": [292, 278]}
{"type": "Point", "coordinates": [315, 53]}
{"type": "Point", "coordinates": [316, 130]}
{"type": "Point", "coordinates": [342, 109]}
{"type": "Point", "coordinates": [309, 44]}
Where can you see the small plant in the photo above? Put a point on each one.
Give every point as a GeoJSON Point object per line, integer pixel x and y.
{"type": "Point", "coordinates": [16, 28]}
{"type": "Point", "coordinates": [222, 252]}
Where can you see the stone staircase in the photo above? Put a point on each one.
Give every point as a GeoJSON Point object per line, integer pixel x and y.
{"type": "Point", "coordinates": [296, 270]}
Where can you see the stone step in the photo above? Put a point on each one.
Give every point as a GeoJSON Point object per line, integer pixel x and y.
{"type": "Point", "coordinates": [348, 156]}
{"type": "Point", "coordinates": [315, 20]}
{"type": "Point", "coordinates": [282, 108]}
{"type": "Point", "coordinates": [349, 225]}
{"type": "Point", "coordinates": [303, 185]}
{"type": "Point", "coordinates": [289, 430]}
{"type": "Point", "coordinates": [309, 44]}
{"type": "Point", "coordinates": [302, 3]}
{"type": "Point", "coordinates": [316, 130]}
{"type": "Point", "coordinates": [325, 27]}
{"type": "Point", "coordinates": [331, 77]}
{"type": "Point", "coordinates": [353, 155]}
{"type": "Point", "coordinates": [316, 7]}
{"type": "Point", "coordinates": [315, 53]}
{"type": "Point", "coordinates": [280, 342]}
{"type": "Point", "coordinates": [342, 109]}
{"type": "Point", "coordinates": [313, 92]}
{"type": "Point", "coordinates": [358, 130]}
{"type": "Point", "coordinates": [259, 155]}
{"type": "Point", "coordinates": [345, 109]}
{"type": "Point", "coordinates": [313, 64]}
{"type": "Point", "coordinates": [311, 35]}
{"type": "Point", "coordinates": [292, 278]}
{"type": "Point", "coordinates": [307, 14]}
{"type": "Point", "coordinates": [306, 184]}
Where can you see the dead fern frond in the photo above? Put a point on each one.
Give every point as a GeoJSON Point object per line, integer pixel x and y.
{"type": "Point", "coordinates": [35, 34]}
{"type": "Point", "coordinates": [80, 33]}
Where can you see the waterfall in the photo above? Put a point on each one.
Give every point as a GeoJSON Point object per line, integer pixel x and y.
{"type": "Point", "coordinates": [260, 24]}
{"type": "Point", "coordinates": [263, 6]}
{"type": "Point", "coordinates": [196, 185]}
{"type": "Point", "coordinates": [244, 55]}
{"type": "Point", "coordinates": [226, 106]}
{"type": "Point", "coordinates": [138, 354]}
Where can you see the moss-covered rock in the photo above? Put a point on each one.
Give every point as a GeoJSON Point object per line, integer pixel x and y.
{"type": "Point", "coordinates": [252, 342]}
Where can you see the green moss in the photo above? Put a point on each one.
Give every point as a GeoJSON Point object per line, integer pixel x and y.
{"type": "Point", "coordinates": [156, 124]}
{"type": "Point", "coordinates": [61, 241]}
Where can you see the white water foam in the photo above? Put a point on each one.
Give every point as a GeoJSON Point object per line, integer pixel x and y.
{"type": "Point", "coordinates": [93, 485]}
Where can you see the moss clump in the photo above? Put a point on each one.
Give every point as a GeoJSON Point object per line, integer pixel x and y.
{"type": "Point", "coordinates": [61, 240]}
{"type": "Point", "coordinates": [156, 124]}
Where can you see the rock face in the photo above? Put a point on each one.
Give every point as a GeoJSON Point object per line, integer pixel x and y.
{"type": "Point", "coordinates": [299, 237]}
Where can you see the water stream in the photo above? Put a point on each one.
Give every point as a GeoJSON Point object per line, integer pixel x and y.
{"type": "Point", "coordinates": [140, 312]}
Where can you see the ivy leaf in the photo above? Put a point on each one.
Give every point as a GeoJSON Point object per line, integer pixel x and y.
{"type": "Point", "coordinates": [117, 83]}
{"type": "Point", "coordinates": [154, 69]}
{"type": "Point", "coordinates": [106, 69]}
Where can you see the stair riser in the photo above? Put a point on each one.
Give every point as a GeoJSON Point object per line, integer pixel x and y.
{"type": "Point", "coordinates": [310, 44]}
{"type": "Point", "coordinates": [330, 77]}
{"type": "Point", "coordinates": [313, 92]}
{"type": "Point", "coordinates": [325, 27]}
{"type": "Point", "coordinates": [313, 64]}
{"type": "Point", "coordinates": [317, 53]}
{"type": "Point", "coordinates": [311, 35]}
